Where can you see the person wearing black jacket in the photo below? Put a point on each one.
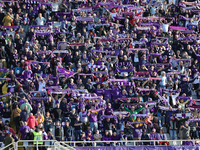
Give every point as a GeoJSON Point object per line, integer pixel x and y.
{"type": "Point", "coordinates": [2, 15]}
{"type": "Point", "coordinates": [58, 131]}
{"type": "Point", "coordinates": [186, 86]}
{"type": "Point", "coordinates": [6, 113]}
{"type": "Point", "coordinates": [9, 48]}
{"type": "Point", "coordinates": [1, 86]}
{"type": "Point", "coordinates": [68, 131]}
{"type": "Point", "coordinates": [3, 56]}
{"type": "Point", "coordinates": [107, 125]}
{"type": "Point", "coordinates": [78, 128]}
{"type": "Point", "coordinates": [24, 114]}
{"type": "Point", "coordinates": [145, 137]}
{"type": "Point", "coordinates": [57, 113]}
{"type": "Point", "coordinates": [146, 13]}
{"type": "Point", "coordinates": [48, 105]}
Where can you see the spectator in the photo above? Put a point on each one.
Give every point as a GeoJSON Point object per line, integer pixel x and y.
{"type": "Point", "coordinates": [24, 114]}
{"type": "Point", "coordinates": [29, 107]}
{"type": "Point", "coordinates": [6, 113]}
{"type": "Point", "coordinates": [31, 121]}
{"type": "Point", "coordinates": [48, 122]}
{"type": "Point", "coordinates": [145, 137]}
{"type": "Point", "coordinates": [23, 131]}
{"type": "Point", "coordinates": [78, 128]}
{"type": "Point", "coordinates": [40, 118]}
{"type": "Point", "coordinates": [98, 137]}
{"type": "Point", "coordinates": [16, 117]}
{"type": "Point", "coordinates": [57, 112]}
{"type": "Point", "coordinates": [184, 131]}
{"type": "Point", "coordinates": [40, 20]}
{"type": "Point", "coordinates": [7, 20]}
{"type": "Point", "coordinates": [58, 131]}
{"type": "Point", "coordinates": [8, 140]}
{"type": "Point", "coordinates": [68, 131]}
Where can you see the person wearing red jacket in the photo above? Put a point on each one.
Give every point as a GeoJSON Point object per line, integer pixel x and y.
{"type": "Point", "coordinates": [9, 130]}
{"type": "Point", "coordinates": [31, 121]}
{"type": "Point", "coordinates": [100, 77]}
{"type": "Point", "coordinates": [133, 21]}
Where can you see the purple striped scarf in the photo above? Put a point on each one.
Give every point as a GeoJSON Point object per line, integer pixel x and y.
{"type": "Point", "coordinates": [94, 97]}
{"type": "Point", "coordinates": [100, 51]}
{"type": "Point", "coordinates": [185, 115]}
{"type": "Point", "coordinates": [125, 83]}
{"type": "Point", "coordinates": [89, 19]}
{"type": "Point", "coordinates": [4, 70]}
{"type": "Point", "coordinates": [60, 51]}
{"type": "Point", "coordinates": [140, 115]}
{"type": "Point", "coordinates": [5, 79]}
{"type": "Point", "coordinates": [8, 27]}
{"type": "Point", "coordinates": [53, 87]}
{"type": "Point", "coordinates": [118, 80]}
{"type": "Point", "coordinates": [166, 108]}
{"type": "Point", "coordinates": [82, 95]}
{"type": "Point", "coordinates": [61, 91]}
{"type": "Point", "coordinates": [8, 94]}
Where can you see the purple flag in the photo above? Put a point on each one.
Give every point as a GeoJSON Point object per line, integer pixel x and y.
{"type": "Point", "coordinates": [66, 72]}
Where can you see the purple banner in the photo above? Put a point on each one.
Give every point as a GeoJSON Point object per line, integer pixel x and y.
{"type": "Point", "coordinates": [183, 147]}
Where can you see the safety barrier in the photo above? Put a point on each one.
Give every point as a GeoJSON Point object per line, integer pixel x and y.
{"type": "Point", "coordinates": [28, 144]}
{"type": "Point", "coordinates": [70, 145]}
{"type": "Point", "coordinates": [129, 142]}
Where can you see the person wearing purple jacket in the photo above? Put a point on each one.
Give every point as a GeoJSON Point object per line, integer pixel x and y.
{"type": "Point", "coordinates": [27, 74]}
{"type": "Point", "coordinates": [115, 137]}
{"type": "Point", "coordinates": [137, 132]}
{"type": "Point", "coordinates": [24, 129]}
{"type": "Point", "coordinates": [108, 110]}
{"type": "Point", "coordinates": [154, 135]}
{"type": "Point", "coordinates": [93, 119]}
{"type": "Point", "coordinates": [106, 137]}
{"type": "Point", "coordinates": [99, 91]}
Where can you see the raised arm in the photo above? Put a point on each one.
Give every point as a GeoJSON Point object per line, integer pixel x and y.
{"type": "Point", "coordinates": [127, 109]}
{"type": "Point", "coordinates": [138, 110]}
{"type": "Point", "coordinates": [62, 97]}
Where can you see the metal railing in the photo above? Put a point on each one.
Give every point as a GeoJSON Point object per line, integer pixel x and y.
{"type": "Point", "coordinates": [11, 146]}
{"type": "Point", "coordinates": [28, 144]}
{"type": "Point", "coordinates": [69, 145]}
{"type": "Point", "coordinates": [128, 143]}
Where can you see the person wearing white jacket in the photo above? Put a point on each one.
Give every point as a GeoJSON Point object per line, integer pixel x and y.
{"type": "Point", "coordinates": [171, 98]}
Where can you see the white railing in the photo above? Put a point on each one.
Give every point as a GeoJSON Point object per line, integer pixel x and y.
{"type": "Point", "coordinates": [128, 142]}
{"type": "Point", "coordinates": [64, 145]}
{"type": "Point", "coordinates": [28, 144]}
{"type": "Point", "coordinates": [11, 146]}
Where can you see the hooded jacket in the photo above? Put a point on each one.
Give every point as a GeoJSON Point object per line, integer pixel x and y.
{"type": "Point", "coordinates": [31, 122]}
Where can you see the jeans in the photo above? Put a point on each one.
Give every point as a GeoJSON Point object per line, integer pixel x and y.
{"type": "Point", "coordinates": [197, 133]}
{"type": "Point", "coordinates": [162, 120]}
{"type": "Point", "coordinates": [173, 135]}
{"type": "Point", "coordinates": [193, 134]}
{"type": "Point", "coordinates": [69, 139]}
{"type": "Point", "coordinates": [78, 134]}
{"type": "Point", "coordinates": [122, 143]}
{"type": "Point", "coordinates": [48, 128]}
{"type": "Point", "coordinates": [136, 65]}
{"type": "Point", "coordinates": [98, 144]}
{"type": "Point", "coordinates": [93, 126]}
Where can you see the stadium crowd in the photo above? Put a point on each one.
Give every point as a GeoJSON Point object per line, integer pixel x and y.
{"type": "Point", "coordinates": [91, 70]}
